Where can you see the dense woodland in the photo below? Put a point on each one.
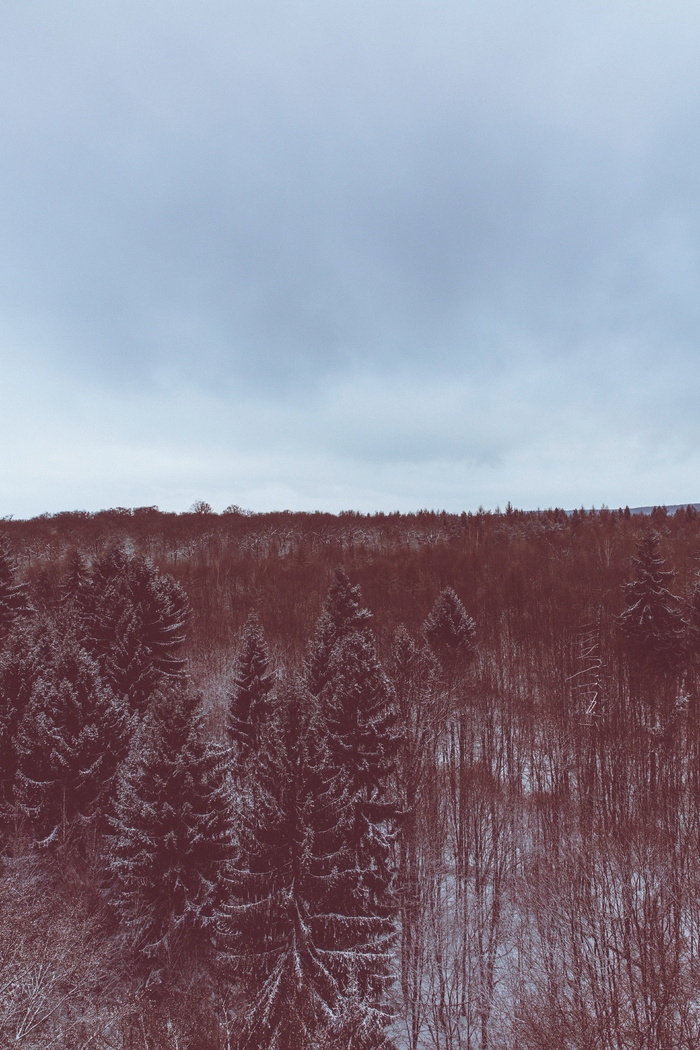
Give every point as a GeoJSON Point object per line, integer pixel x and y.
{"type": "Point", "coordinates": [350, 782]}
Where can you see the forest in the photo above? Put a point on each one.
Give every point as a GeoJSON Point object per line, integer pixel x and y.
{"type": "Point", "coordinates": [294, 781]}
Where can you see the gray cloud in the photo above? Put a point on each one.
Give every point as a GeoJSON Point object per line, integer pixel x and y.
{"type": "Point", "coordinates": [392, 237]}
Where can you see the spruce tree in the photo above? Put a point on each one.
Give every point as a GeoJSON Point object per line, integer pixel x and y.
{"type": "Point", "coordinates": [172, 843]}
{"type": "Point", "coordinates": [361, 719]}
{"type": "Point", "coordinates": [449, 630]}
{"type": "Point", "coordinates": [102, 606]}
{"type": "Point", "coordinates": [164, 614]}
{"type": "Point", "coordinates": [77, 596]}
{"type": "Point", "coordinates": [20, 666]}
{"type": "Point", "coordinates": [414, 673]}
{"type": "Point", "coordinates": [652, 623]}
{"type": "Point", "coordinates": [46, 592]}
{"type": "Point", "coordinates": [358, 1026]}
{"type": "Point", "coordinates": [295, 944]}
{"type": "Point", "coordinates": [342, 615]}
{"type": "Point", "coordinates": [424, 714]}
{"type": "Point", "coordinates": [361, 722]}
{"type": "Point", "coordinates": [128, 664]}
{"type": "Point", "coordinates": [69, 741]}
{"type": "Point", "coordinates": [76, 579]}
{"type": "Point", "coordinates": [14, 603]}
{"type": "Point", "coordinates": [133, 622]}
{"type": "Point", "coordinates": [694, 622]}
{"type": "Point", "coordinates": [249, 703]}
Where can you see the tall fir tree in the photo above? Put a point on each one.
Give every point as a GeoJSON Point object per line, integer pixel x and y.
{"type": "Point", "coordinates": [363, 738]}
{"type": "Point", "coordinates": [72, 734]}
{"type": "Point", "coordinates": [342, 614]}
{"type": "Point", "coordinates": [165, 612]}
{"type": "Point", "coordinates": [694, 622]}
{"type": "Point", "coordinates": [359, 718]}
{"type": "Point", "coordinates": [424, 712]}
{"type": "Point", "coordinates": [20, 665]}
{"type": "Point", "coordinates": [45, 592]}
{"type": "Point", "coordinates": [76, 579]}
{"type": "Point", "coordinates": [133, 621]}
{"type": "Point", "coordinates": [172, 843]}
{"type": "Point", "coordinates": [652, 623]}
{"type": "Point", "coordinates": [14, 601]}
{"type": "Point", "coordinates": [295, 944]}
{"type": "Point", "coordinates": [449, 630]}
{"type": "Point", "coordinates": [249, 703]}
{"type": "Point", "coordinates": [358, 1026]}
{"type": "Point", "coordinates": [414, 673]}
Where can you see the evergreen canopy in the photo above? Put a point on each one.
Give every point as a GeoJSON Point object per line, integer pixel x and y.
{"type": "Point", "coordinates": [299, 937]}
{"type": "Point", "coordinates": [652, 622]}
{"type": "Point", "coordinates": [172, 840]}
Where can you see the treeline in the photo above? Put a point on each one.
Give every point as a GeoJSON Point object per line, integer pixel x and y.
{"type": "Point", "coordinates": [530, 565]}
{"type": "Point", "coordinates": [269, 817]}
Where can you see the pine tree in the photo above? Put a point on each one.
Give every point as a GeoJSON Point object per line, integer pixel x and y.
{"type": "Point", "coordinates": [164, 614]}
{"type": "Point", "coordinates": [102, 605]}
{"type": "Point", "coordinates": [449, 630]}
{"type": "Point", "coordinates": [76, 588]}
{"type": "Point", "coordinates": [249, 703]}
{"type": "Point", "coordinates": [361, 718]}
{"type": "Point", "coordinates": [296, 951]}
{"type": "Point", "coordinates": [652, 623]}
{"type": "Point", "coordinates": [694, 621]}
{"type": "Point", "coordinates": [133, 622]}
{"type": "Point", "coordinates": [424, 714]}
{"type": "Point", "coordinates": [69, 741]}
{"type": "Point", "coordinates": [414, 674]}
{"type": "Point", "coordinates": [172, 843]}
{"type": "Point", "coordinates": [14, 602]}
{"type": "Point", "coordinates": [128, 665]}
{"type": "Point", "coordinates": [361, 722]}
{"type": "Point", "coordinates": [20, 666]}
{"type": "Point", "coordinates": [357, 1027]}
{"type": "Point", "coordinates": [46, 592]}
{"type": "Point", "coordinates": [342, 669]}
{"type": "Point", "coordinates": [342, 615]}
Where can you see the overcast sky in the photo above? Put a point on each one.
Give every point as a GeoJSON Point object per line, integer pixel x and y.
{"type": "Point", "coordinates": [375, 255]}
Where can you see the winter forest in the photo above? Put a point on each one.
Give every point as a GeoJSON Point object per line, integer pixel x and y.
{"type": "Point", "coordinates": [355, 782]}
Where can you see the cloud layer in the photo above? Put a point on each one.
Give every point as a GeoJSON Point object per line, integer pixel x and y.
{"type": "Point", "coordinates": [374, 255]}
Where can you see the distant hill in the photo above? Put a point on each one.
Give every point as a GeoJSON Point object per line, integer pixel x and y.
{"type": "Point", "coordinates": [671, 508]}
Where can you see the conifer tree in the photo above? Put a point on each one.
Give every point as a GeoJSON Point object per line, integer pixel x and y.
{"type": "Point", "coordinates": [76, 589]}
{"type": "Point", "coordinates": [694, 621]}
{"type": "Point", "coordinates": [295, 944]}
{"type": "Point", "coordinates": [652, 623]}
{"type": "Point", "coordinates": [424, 714]}
{"type": "Point", "coordinates": [69, 741]}
{"type": "Point", "coordinates": [249, 703]}
{"type": "Point", "coordinates": [449, 630]}
{"type": "Point", "coordinates": [133, 622]}
{"type": "Point", "coordinates": [46, 592]}
{"type": "Point", "coordinates": [20, 666]}
{"type": "Point", "coordinates": [14, 602]}
{"type": "Point", "coordinates": [164, 614]}
{"type": "Point", "coordinates": [414, 674]}
{"type": "Point", "coordinates": [172, 842]}
{"type": "Point", "coordinates": [77, 575]}
{"type": "Point", "coordinates": [361, 718]}
{"type": "Point", "coordinates": [128, 665]}
{"type": "Point", "coordinates": [342, 615]}
{"type": "Point", "coordinates": [357, 1027]}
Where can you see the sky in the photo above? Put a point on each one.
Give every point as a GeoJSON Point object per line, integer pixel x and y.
{"type": "Point", "coordinates": [312, 255]}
